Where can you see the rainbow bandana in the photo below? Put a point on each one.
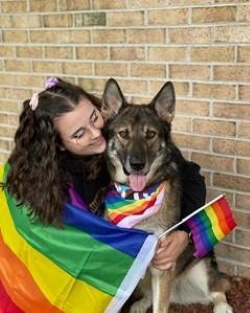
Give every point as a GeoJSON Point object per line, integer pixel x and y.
{"type": "Point", "coordinates": [126, 208]}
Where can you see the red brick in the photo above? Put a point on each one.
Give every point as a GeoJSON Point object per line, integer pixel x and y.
{"type": "Point", "coordinates": [242, 237]}
{"type": "Point", "coordinates": [19, 6]}
{"type": "Point", "coordinates": [127, 53]}
{"type": "Point", "coordinates": [244, 92]}
{"type": "Point", "coordinates": [111, 69]}
{"type": "Point", "coordinates": [233, 253]}
{"type": "Point", "coordinates": [232, 73]}
{"type": "Point", "coordinates": [168, 16]}
{"type": "Point", "coordinates": [77, 68]}
{"type": "Point", "coordinates": [58, 20]}
{"type": "Point", "coordinates": [192, 142]}
{"type": "Point", "coordinates": [181, 89]}
{"type": "Point", "coordinates": [244, 54]}
{"type": "Point", "coordinates": [7, 50]}
{"type": "Point", "coordinates": [167, 53]}
{"type": "Point", "coordinates": [108, 36]}
{"type": "Point", "coordinates": [125, 18]}
{"type": "Point", "coordinates": [243, 13]}
{"type": "Point", "coordinates": [190, 35]}
{"type": "Point", "coordinates": [42, 6]}
{"type": "Point", "coordinates": [230, 181]}
{"type": "Point", "coordinates": [214, 91]}
{"type": "Point", "coordinates": [182, 71]}
{"type": "Point", "coordinates": [243, 271]}
{"type": "Point", "coordinates": [212, 54]}
{"type": "Point", "coordinates": [214, 127]}
{"type": "Point", "coordinates": [242, 201]}
{"type": "Point", "coordinates": [182, 124]}
{"type": "Point", "coordinates": [210, 161]}
{"type": "Point", "coordinates": [56, 52]}
{"type": "Point", "coordinates": [214, 14]}
{"type": "Point", "coordinates": [231, 110]}
{"type": "Point", "coordinates": [92, 53]}
{"type": "Point", "coordinates": [145, 35]}
{"type": "Point", "coordinates": [148, 70]}
{"type": "Point", "coordinates": [244, 130]}
{"type": "Point", "coordinates": [146, 4]}
{"type": "Point", "coordinates": [232, 34]}
{"type": "Point", "coordinates": [192, 107]}
{"type": "Point", "coordinates": [231, 147]}
{"type": "Point", "coordinates": [243, 166]}
{"type": "Point", "coordinates": [15, 36]}
{"type": "Point", "coordinates": [109, 5]}
{"type": "Point", "coordinates": [242, 218]}
{"type": "Point", "coordinates": [76, 5]}
{"type": "Point", "coordinates": [29, 52]}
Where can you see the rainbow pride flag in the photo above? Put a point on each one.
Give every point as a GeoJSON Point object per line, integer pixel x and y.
{"type": "Point", "coordinates": [210, 225]}
{"type": "Point", "coordinates": [88, 266]}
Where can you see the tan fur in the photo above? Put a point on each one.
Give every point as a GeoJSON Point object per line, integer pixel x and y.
{"type": "Point", "coordinates": [158, 223]}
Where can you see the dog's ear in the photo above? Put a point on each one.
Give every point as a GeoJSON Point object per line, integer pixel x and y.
{"type": "Point", "coordinates": [112, 99]}
{"type": "Point", "coordinates": [164, 102]}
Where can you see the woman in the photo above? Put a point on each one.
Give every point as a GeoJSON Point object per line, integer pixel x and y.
{"type": "Point", "coordinates": [58, 158]}
{"type": "Point", "coordinates": [59, 141]}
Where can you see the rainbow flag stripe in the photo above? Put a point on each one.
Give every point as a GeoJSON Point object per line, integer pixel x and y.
{"type": "Point", "coordinates": [211, 225]}
{"type": "Point", "coordinates": [89, 265]}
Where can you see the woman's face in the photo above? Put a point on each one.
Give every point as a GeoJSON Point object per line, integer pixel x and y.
{"type": "Point", "coordinates": [80, 129]}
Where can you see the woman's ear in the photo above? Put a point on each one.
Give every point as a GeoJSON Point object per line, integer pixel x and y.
{"type": "Point", "coordinates": [59, 143]}
{"type": "Point", "coordinates": [62, 148]}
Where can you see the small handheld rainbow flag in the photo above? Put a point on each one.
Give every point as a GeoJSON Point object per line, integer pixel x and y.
{"type": "Point", "coordinates": [88, 266]}
{"type": "Point", "coordinates": [209, 225]}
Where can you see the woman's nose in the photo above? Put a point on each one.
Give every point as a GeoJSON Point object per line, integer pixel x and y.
{"type": "Point", "coordinates": [94, 131]}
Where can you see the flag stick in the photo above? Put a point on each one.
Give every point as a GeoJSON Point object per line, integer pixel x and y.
{"type": "Point", "coordinates": [190, 215]}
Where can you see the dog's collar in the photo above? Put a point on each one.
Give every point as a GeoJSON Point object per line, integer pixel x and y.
{"type": "Point", "coordinates": [127, 208]}
{"type": "Point", "coordinates": [126, 192]}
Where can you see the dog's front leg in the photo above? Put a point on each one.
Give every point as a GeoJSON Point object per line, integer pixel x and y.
{"type": "Point", "coordinates": [161, 287]}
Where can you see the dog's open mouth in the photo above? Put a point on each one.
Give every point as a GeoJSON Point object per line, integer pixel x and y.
{"type": "Point", "coordinates": [137, 181]}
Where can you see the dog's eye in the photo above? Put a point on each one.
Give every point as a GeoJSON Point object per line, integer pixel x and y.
{"type": "Point", "coordinates": [123, 134]}
{"type": "Point", "coordinates": [150, 134]}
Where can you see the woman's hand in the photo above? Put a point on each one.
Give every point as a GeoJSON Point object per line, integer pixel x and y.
{"type": "Point", "coordinates": [169, 250]}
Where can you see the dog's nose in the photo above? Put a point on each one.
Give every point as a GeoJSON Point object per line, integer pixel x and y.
{"type": "Point", "coordinates": [136, 163]}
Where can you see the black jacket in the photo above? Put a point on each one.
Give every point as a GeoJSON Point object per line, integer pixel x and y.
{"type": "Point", "coordinates": [193, 189]}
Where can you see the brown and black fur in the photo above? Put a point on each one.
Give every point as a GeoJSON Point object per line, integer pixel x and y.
{"type": "Point", "coordinates": [139, 143]}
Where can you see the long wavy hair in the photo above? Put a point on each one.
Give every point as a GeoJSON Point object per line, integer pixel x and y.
{"type": "Point", "coordinates": [37, 177]}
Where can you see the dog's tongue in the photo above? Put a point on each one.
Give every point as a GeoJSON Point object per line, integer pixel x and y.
{"type": "Point", "coordinates": [137, 182]}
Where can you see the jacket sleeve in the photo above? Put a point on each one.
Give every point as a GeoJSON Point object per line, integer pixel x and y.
{"type": "Point", "coordinates": [193, 189]}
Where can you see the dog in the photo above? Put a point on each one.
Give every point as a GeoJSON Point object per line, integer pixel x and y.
{"type": "Point", "coordinates": [140, 153]}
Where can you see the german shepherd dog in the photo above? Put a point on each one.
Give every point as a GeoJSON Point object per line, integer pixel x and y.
{"type": "Point", "coordinates": [141, 153]}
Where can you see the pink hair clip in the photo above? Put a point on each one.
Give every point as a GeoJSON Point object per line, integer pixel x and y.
{"type": "Point", "coordinates": [50, 82]}
{"type": "Point", "coordinates": [34, 101]}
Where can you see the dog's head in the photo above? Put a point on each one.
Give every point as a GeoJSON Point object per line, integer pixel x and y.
{"type": "Point", "coordinates": [139, 150]}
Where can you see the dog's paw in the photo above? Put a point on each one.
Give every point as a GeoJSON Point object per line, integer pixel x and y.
{"type": "Point", "coordinates": [140, 306]}
{"type": "Point", "coordinates": [223, 307]}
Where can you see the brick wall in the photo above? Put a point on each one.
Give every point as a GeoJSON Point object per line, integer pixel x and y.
{"type": "Point", "coordinates": [203, 46]}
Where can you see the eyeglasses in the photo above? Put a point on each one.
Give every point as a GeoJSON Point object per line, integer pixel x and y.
{"type": "Point", "coordinates": [79, 136]}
